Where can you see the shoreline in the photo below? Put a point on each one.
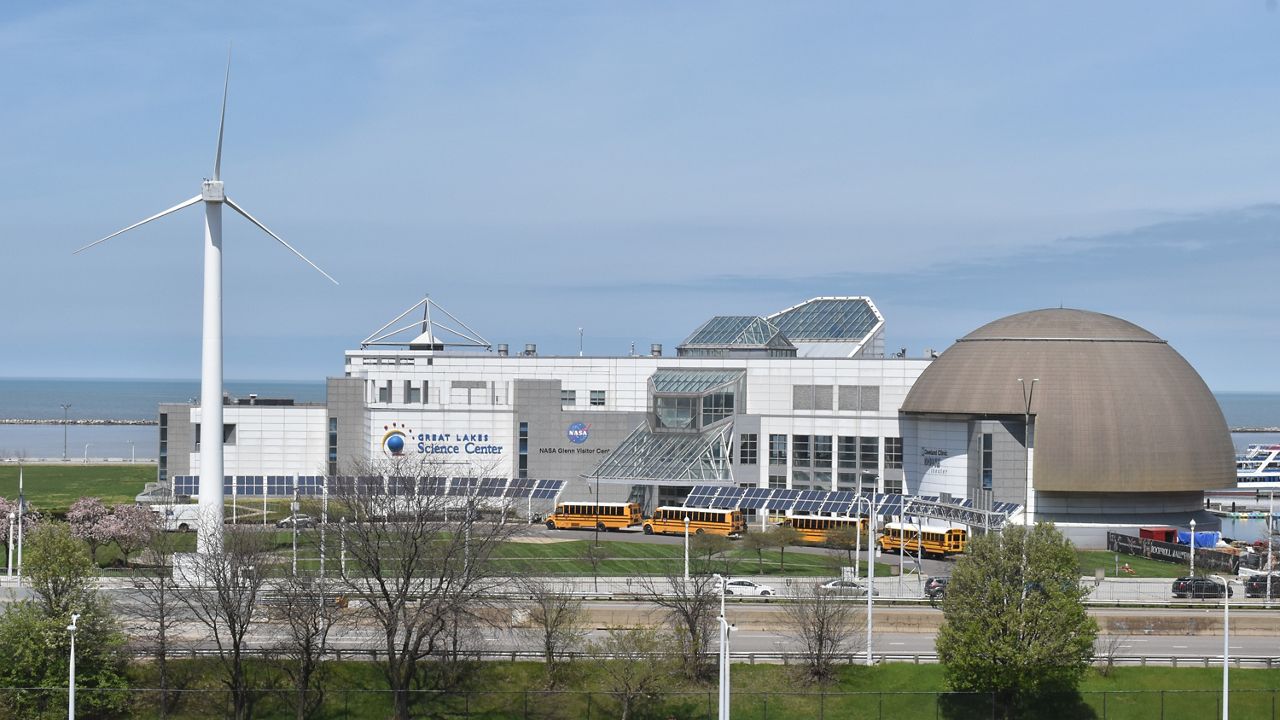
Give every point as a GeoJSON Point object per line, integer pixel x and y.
{"type": "Point", "coordinates": [82, 421]}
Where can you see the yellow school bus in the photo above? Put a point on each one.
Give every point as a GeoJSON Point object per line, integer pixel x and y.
{"type": "Point", "coordinates": [938, 540]}
{"type": "Point", "coordinates": [602, 516]}
{"type": "Point", "coordinates": [817, 530]}
{"type": "Point", "coordinates": [670, 521]}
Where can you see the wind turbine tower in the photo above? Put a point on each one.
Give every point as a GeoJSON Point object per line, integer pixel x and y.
{"type": "Point", "coordinates": [214, 197]}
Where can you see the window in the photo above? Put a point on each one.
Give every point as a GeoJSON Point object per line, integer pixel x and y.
{"type": "Point", "coordinates": [800, 451]}
{"type": "Point", "coordinates": [716, 406]}
{"type": "Point", "coordinates": [748, 452]}
{"type": "Point", "coordinates": [674, 412]}
{"type": "Point", "coordinates": [811, 397]}
{"type": "Point", "coordinates": [847, 481]}
{"type": "Point", "coordinates": [778, 450]}
{"type": "Point", "coordinates": [847, 449]}
{"type": "Point", "coordinates": [822, 480]}
{"type": "Point", "coordinates": [822, 451]}
{"type": "Point", "coordinates": [333, 446]}
{"type": "Point", "coordinates": [986, 460]}
{"type": "Point", "coordinates": [869, 452]}
{"type": "Point", "coordinates": [777, 481]}
{"type": "Point", "coordinates": [860, 398]}
{"type": "Point", "coordinates": [384, 393]}
{"type": "Point", "coordinates": [597, 398]}
{"type": "Point", "coordinates": [412, 394]}
{"type": "Point", "coordinates": [568, 398]}
{"type": "Point", "coordinates": [523, 466]}
{"type": "Point", "coordinates": [893, 453]}
{"type": "Point", "coordinates": [800, 480]}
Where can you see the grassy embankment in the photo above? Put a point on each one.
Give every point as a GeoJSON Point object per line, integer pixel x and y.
{"type": "Point", "coordinates": [768, 691]}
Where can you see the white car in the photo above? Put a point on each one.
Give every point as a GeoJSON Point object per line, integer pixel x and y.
{"type": "Point", "coordinates": [746, 587]}
{"type": "Point", "coordinates": [846, 587]}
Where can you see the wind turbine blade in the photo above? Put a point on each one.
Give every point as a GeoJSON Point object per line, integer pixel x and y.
{"type": "Point", "coordinates": [279, 239]}
{"type": "Point", "coordinates": [161, 214]}
{"type": "Point", "coordinates": [226, 83]}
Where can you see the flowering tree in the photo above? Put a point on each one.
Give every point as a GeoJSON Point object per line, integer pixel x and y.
{"type": "Point", "coordinates": [90, 521]}
{"type": "Point", "coordinates": [131, 527]}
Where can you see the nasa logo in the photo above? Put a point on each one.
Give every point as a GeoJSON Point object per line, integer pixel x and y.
{"type": "Point", "coordinates": [393, 441]}
{"type": "Point", "coordinates": [578, 433]}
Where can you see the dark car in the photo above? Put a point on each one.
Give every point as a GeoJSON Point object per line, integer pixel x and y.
{"type": "Point", "coordinates": [1199, 587]}
{"type": "Point", "coordinates": [1256, 586]}
{"type": "Point", "coordinates": [936, 587]}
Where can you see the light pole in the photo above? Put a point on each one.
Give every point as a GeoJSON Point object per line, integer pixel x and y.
{"type": "Point", "coordinates": [22, 512]}
{"type": "Point", "coordinates": [342, 546]}
{"type": "Point", "coordinates": [9, 572]}
{"type": "Point", "coordinates": [65, 407]}
{"type": "Point", "coordinates": [1028, 394]}
{"type": "Point", "coordinates": [871, 568]}
{"type": "Point", "coordinates": [86, 453]}
{"type": "Point", "coordinates": [293, 510]}
{"type": "Point", "coordinates": [1226, 648]}
{"type": "Point", "coordinates": [133, 455]}
{"type": "Point", "coordinates": [71, 680]}
{"type": "Point", "coordinates": [725, 628]}
{"type": "Point", "coordinates": [686, 548]}
{"type": "Point", "coordinates": [1193, 547]}
{"type": "Point", "coordinates": [597, 507]}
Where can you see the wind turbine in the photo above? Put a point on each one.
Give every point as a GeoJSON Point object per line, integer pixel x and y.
{"type": "Point", "coordinates": [212, 195]}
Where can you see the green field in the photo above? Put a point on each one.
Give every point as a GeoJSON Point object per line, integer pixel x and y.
{"type": "Point", "coordinates": [499, 690]}
{"type": "Point", "coordinates": [1142, 567]}
{"type": "Point", "coordinates": [52, 488]}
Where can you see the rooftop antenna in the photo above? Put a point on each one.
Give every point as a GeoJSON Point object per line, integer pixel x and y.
{"type": "Point", "coordinates": [211, 460]}
{"type": "Point", "coordinates": [579, 342]}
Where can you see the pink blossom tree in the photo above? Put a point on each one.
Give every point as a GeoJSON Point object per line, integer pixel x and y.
{"type": "Point", "coordinates": [91, 521]}
{"type": "Point", "coordinates": [131, 527]}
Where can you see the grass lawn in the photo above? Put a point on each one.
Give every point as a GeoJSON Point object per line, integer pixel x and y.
{"type": "Point", "coordinates": [1142, 567]}
{"type": "Point", "coordinates": [52, 488]}
{"type": "Point", "coordinates": [354, 692]}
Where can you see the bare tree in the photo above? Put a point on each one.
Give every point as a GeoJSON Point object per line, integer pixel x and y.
{"type": "Point", "coordinates": [225, 588]}
{"type": "Point", "coordinates": [307, 611]}
{"type": "Point", "coordinates": [847, 539]}
{"type": "Point", "coordinates": [420, 564]}
{"type": "Point", "coordinates": [712, 552]}
{"type": "Point", "coordinates": [557, 615]}
{"type": "Point", "coordinates": [154, 611]}
{"type": "Point", "coordinates": [782, 537]}
{"type": "Point", "coordinates": [636, 669]}
{"type": "Point", "coordinates": [595, 554]}
{"type": "Point", "coordinates": [757, 542]}
{"type": "Point", "coordinates": [691, 605]}
{"type": "Point", "coordinates": [826, 626]}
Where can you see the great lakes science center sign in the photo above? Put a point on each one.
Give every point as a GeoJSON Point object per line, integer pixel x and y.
{"type": "Point", "coordinates": [399, 439]}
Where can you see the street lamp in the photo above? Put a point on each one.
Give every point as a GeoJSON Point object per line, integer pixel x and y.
{"type": "Point", "coordinates": [133, 455]}
{"type": "Point", "coordinates": [686, 548]}
{"type": "Point", "coordinates": [871, 566]}
{"type": "Point", "coordinates": [65, 407]}
{"type": "Point", "coordinates": [71, 680]}
{"type": "Point", "coordinates": [9, 571]}
{"type": "Point", "coordinates": [725, 629]}
{"type": "Point", "coordinates": [1028, 394]}
{"type": "Point", "coordinates": [86, 453]}
{"type": "Point", "coordinates": [1226, 648]}
{"type": "Point", "coordinates": [1193, 547]}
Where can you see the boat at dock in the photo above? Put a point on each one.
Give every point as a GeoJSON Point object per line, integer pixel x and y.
{"type": "Point", "coordinates": [1258, 467]}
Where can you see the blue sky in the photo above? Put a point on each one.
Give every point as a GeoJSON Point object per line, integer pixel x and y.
{"type": "Point", "coordinates": [633, 169]}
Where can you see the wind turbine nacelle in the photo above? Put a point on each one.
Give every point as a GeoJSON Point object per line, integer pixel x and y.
{"type": "Point", "coordinates": [211, 191]}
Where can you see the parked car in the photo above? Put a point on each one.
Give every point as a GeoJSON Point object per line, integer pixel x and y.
{"type": "Point", "coordinates": [935, 588]}
{"type": "Point", "coordinates": [300, 520]}
{"type": "Point", "coordinates": [1199, 587]}
{"type": "Point", "coordinates": [746, 587]}
{"type": "Point", "coordinates": [1256, 586]}
{"type": "Point", "coordinates": [851, 588]}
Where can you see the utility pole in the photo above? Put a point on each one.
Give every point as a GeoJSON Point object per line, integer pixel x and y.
{"type": "Point", "coordinates": [65, 407]}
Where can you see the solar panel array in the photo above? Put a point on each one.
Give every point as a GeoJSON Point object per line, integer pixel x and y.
{"type": "Point", "coordinates": [282, 486]}
{"type": "Point", "coordinates": [814, 502]}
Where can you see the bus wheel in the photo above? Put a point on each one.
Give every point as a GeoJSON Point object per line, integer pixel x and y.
{"type": "Point", "coordinates": [551, 525]}
{"type": "Point", "coordinates": [184, 527]}
{"type": "Point", "coordinates": [699, 531]}
{"type": "Point", "coordinates": [600, 526]}
{"type": "Point", "coordinates": [648, 529]}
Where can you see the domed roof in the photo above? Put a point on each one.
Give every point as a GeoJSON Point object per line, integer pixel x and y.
{"type": "Point", "coordinates": [1116, 408]}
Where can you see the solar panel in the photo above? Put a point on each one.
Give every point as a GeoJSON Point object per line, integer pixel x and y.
{"type": "Point", "coordinates": [463, 485]}
{"type": "Point", "coordinates": [755, 498]}
{"type": "Point", "coordinates": [310, 485]}
{"type": "Point", "coordinates": [492, 487]}
{"type": "Point", "coordinates": [809, 501]}
{"type": "Point", "coordinates": [369, 485]}
{"type": "Point", "coordinates": [783, 499]}
{"type": "Point", "coordinates": [186, 485]}
{"type": "Point", "coordinates": [402, 485]}
{"type": "Point", "coordinates": [432, 486]}
{"type": "Point", "coordinates": [548, 489]}
{"type": "Point", "coordinates": [700, 495]}
{"type": "Point", "coordinates": [520, 487]}
{"type": "Point", "coordinates": [837, 502]}
{"type": "Point", "coordinates": [728, 498]}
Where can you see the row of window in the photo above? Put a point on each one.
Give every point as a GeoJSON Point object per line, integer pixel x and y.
{"type": "Point", "coordinates": [569, 398]}
{"type": "Point", "coordinates": [814, 451]}
{"type": "Point", "coordinates": [852, 398]}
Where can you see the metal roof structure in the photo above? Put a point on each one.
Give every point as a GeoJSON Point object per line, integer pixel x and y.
{"type": "Point", "coordinates": [669, 458]}
{"type": "Point", "coordinates": [430, 333]}
{"type": "Point", "coordinates": [843, 502]}
{"type": "Point", "coordinates": [691, 382]}
{"type": "Point", "coordinates": [741, 331]}
{"type": "Point", "coordinates": [828, 319]}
